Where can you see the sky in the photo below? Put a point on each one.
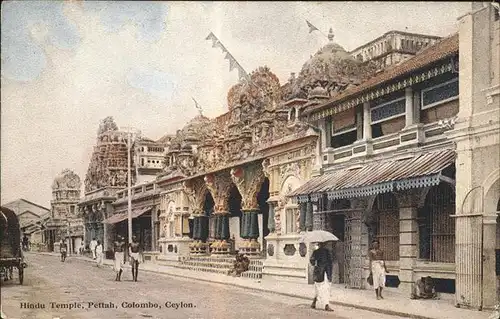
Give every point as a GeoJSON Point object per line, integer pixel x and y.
{"type": "Point", "coordinates": [65, 66]}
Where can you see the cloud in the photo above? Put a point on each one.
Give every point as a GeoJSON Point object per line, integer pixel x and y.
{"type": "Point", "coordinates": [146, 15]}
{"type": "Point", "coordinates": [26, 27]}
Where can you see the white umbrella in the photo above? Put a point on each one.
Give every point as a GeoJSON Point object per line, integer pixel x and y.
{"type": "Point", "coordinates": [317, 236]}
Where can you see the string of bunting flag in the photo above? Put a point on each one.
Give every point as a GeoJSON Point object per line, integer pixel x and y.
{"type": "Point", "coordinates": [233, 64]}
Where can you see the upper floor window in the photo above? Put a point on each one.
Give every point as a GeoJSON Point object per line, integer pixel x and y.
{"type": "Point", "coordinates": [388, 110]}
{"type": "Point", "coordinates": [439, 93]}
{"type": "Point", "coordinates": [388, 116]}
{"type": "Point", "coordinates": [344, 128]}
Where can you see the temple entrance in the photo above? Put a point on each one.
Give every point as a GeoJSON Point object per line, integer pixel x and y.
{"type": "Point", "coordinates": [206, 230]}
{"type": "Point", "coordinates": [234, 205]}
{"type": "Point", "coordinates": [262, 198]}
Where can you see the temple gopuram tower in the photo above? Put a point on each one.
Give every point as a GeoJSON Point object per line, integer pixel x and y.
{"type": "Point", "coordinates": [64, 222]}
{"type": "Point", "coordinates": [107, 173]}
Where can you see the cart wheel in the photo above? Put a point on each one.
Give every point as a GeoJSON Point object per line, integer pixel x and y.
{"type": "Point", "coordinates": [21, 274]}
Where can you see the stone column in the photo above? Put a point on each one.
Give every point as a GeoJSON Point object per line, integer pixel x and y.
{"type": "Point", "coordinates": [309, 217]}
{"type": "Point", "coordinates": [198, 246]}
{"type": "Point", "coordinates": [303, 212]}
{"type": "Point", "coordinates": [324, 133]}
{"type": "Point", "coordinates": [250, 244]}
{"type": "Point", "coordinates": [408, 237]}
{"type": "Point", "coordinates": [410, 111]}
{"type": "Point", "coordinates": [367, 128]}
{"type": "Point", "coordinates": [219, 186]}
{"type": "Point", "coordinates": [248, 180]}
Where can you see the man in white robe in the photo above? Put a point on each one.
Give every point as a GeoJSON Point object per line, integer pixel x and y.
{"type": "Point", "coordinates": [322, 261]}
{"type": "Point", "coordinates": [377, 268]}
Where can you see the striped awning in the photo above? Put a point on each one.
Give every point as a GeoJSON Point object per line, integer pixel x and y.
{"type": "Point", "coordinates": [380, 177]}
{"type": "Point", "coordinates": [116, 218]}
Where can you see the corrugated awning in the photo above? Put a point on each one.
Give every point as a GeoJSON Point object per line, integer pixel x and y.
{"type": "Point", "coordinates": [380, 177]}
{"type": "Point", "coordinates": [116, 218]}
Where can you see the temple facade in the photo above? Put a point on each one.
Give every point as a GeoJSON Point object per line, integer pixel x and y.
{"type": "Point", "coordinates": [410, 158]}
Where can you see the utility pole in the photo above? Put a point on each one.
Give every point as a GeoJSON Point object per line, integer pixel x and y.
{"type": "Point", "coordinates": [129, 184]}
{"type": "Point", "coordinates": [132, 135]}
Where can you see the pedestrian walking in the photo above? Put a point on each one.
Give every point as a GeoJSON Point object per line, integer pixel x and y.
{"type": "Point", "coordinates": [119, 248]}
{"type": "Point", "coordinates": [135, 252]}
{"type": "Point", "coordinates": [378, 268]}
{"type": "Point", "coordinates": [99, 253]}
{"type": "Point", "coordinates": [93, 245]}
{"type": "Point", "coordinates": [63, 249]}
{"type": "Point", "coordinates": [322, 261]}
{"type": "Point", "coordinates": [25, 242]}
{"type": "Point", "coordinates": [81, 249]}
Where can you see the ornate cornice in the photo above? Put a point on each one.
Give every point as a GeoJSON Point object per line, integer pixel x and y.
{"type": "Point", "coordinates": [415, 78]}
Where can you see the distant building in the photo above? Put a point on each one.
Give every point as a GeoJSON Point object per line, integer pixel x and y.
{"type": "Point", "coordinates": [30, 217]}
{"type": "Point", "coordinates": [150, 159]}
{"type": "Point", "coordinates": [393, 48]}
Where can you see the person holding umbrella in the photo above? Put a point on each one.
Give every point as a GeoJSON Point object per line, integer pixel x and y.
{"type": "Point", "coordinates": [322, 261]}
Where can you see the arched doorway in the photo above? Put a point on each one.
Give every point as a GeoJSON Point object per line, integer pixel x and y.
{"type": "Point", "coordinates": [234, 205]}
{"type": "Point", "coordinates": [436, 227]}
{"type": "Point", "coordinates": [335, 223]}
{"type": "Point", "coordinates": [262, 198]}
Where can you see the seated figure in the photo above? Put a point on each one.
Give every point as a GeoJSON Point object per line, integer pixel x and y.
{"type": "Point", "coordinates": [424, 289]}
{"type": "Point", "coordinates": [240, 265]}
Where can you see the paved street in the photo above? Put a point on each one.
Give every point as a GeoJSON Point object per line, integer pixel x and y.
{"type": "Point", "coordinates": [93, 293]}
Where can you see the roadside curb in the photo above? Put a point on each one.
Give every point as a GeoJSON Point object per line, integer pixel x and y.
{"type": "Point", "coordinates": [293, 295]}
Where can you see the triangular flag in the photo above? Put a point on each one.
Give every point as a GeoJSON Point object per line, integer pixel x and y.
{"type": "Point", "coordinates": [210, 36]}
{"type": "Point", "coordinates": [232, 64]}
{"type": "Point", "coordinates": [228, 56]}
{"type": "Point", "coordinates": [311, 27]}
{"type": "Point", "coordinates": [218, 44]}
{"type": "Point", "coordinates": [241, 73]}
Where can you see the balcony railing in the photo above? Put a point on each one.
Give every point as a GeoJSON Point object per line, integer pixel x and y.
{"type": "Point", "coordinates": [419, 135]}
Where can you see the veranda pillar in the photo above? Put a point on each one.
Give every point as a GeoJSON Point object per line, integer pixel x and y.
{"type": "Point", "coordinates": [200, 234]}
{"type": "Point", "coordinates": [248, 180]}
{"type": "Point", "coordinates": [409, 202]}
{"type": "Point", "coordinates": [219, 186]}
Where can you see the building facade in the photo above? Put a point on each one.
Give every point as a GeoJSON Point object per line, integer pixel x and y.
{"type": "Point", "coordinates": [477, 137]}
{"type": "Point", "coordinates": [418, 167]}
